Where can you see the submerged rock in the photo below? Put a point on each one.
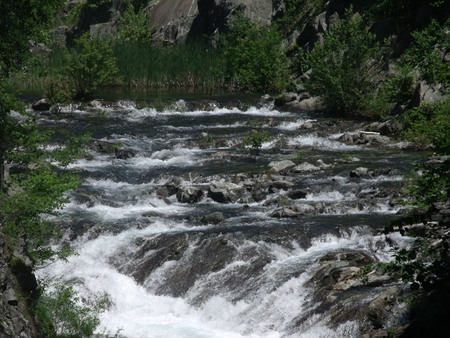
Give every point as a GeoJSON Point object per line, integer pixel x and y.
{"type": "Point", "coordinates": [214, 218]}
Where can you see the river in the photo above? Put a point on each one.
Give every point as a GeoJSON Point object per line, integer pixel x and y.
{"type": "Point", "coordinates": [168, 272]}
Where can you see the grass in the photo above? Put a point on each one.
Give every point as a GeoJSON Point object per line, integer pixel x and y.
{"type": "Point", "coordinates": [193, 65]}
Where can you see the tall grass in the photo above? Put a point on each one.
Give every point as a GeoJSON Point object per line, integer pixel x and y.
{"type": "Point", "coordinates": [192, 65]}
{"type": "Point", "coordinates": [187, 65]}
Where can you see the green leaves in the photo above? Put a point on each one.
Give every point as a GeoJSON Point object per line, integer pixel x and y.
{"type": "Point", "coordinates": [254, 57]}
{"type": "Point", "coordinates": [344, 66]}
{"type": "Point", "coordinates": [91, 63]}
{"type": "Point", "coordinates": [62, 314]}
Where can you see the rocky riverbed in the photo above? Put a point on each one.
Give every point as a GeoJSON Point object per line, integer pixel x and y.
{"type": "Point", "coordinates": [189, 232]}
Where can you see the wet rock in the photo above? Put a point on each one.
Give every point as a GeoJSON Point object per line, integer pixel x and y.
{"type": "Point", "coordinates": [279, 166]}
{"type": "Point", "coordinates": [125, 153]}
{"type": "Point", "coordinates": [359, 172]}
{"type": "Point", "coordinates": [305, 167]}
{"type": "Point", "coordinates": [189, 194]}
{"type": "Point", "coordinates": [41, 105]}
{"type": "Point", "coordinates": [280, 185]}
{"type": "Point", "coordinates": [294, 211]}
{"type": "Point", "coordinates": [225, 192]}
{"type": "Point", "coordinates": [364, 137]}
{"type": "Point", "coordinates": [323, 165]}
{"type": "Point", "coordinates": [384, 128]}
{"type": "Point", "coordinates": [214, 218]}
{"type": "Point", "coordinates": [297, 194]}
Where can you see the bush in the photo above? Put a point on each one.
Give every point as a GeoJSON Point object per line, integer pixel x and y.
{"type": "Point", "coordinates": [427, 54]}
{"type": "Point", "coordinates": [91, 63]}
{"type": "Point", "coordinates": [62, 315]}
{"type": "Point", "coordinates": [345, 67]}
{"type": "Point", "coordinates": [256, 138]}
{"type": "Point", "coordinates": [254, 57]}
{"type": "Point", "coordinates": [133, 26]}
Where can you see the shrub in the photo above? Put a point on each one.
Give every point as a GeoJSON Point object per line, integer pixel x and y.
{"type": "Point", "coordinates": [254, 57]}
{"type": "Point", "coordinates": [62, 315]}
{"type": "Point", "coordinates": [255, 138]}
{"type": "Point", "coordinates": [345, 67]}
{"type": "Point", "coordinates": [91, 63]}
{"type": "Point", "coordinates": [133, 26]}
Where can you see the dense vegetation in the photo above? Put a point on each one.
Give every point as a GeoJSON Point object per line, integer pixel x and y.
{"type": "Point", "coordinates": [35, 187]}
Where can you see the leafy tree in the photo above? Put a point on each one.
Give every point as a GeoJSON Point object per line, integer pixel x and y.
{"type": "Point", "coordinates": [427, 54]}
{"type": "Point", "coordinates": [133, 26]}
{"type": "Point", "coordinates": [254, 57]}
{"type": "Point", "coordinates": [345, 66]}
{"type": "Point", "coordinates": [22, 21]}
{"type": "Point", "coordinates": [91, 63]}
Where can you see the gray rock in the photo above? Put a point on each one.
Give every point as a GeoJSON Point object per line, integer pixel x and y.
{"type": "Point", "coordinates": [225, 192]}
{"type": "Point", "coordinates": [279, 166]}
{"type": "Point", "coordinates": [41, 105]}
{"type": "Point", "coordinates": [297, 194]}
{"type": "Point", "coordinates": [214, 218]}
{"type": "Point", "coordinates": [189, 194]}
{"type": "Point", "coordinates": [359, 172]}
{"type": "Point", "coordinates": [305, 167]}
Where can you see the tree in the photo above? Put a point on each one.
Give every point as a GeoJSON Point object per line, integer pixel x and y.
{"type": "Point", "coordinates": [91, 63]}
{"type": "Point", "coordinates": [345, 66]}
{"type": "Point", "coordinates": [254, 57]}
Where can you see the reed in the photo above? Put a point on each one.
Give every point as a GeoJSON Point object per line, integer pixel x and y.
{"type": "Point", "coordinates": [187, 65]}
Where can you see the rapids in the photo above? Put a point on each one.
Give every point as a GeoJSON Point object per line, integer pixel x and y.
{"type": "Point", "coordinates": [168, 274]}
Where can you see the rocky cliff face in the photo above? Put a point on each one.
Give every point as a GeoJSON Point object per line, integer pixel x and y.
{"type": "Point", "coordinates": [17, 284]}
{"type": "Point", "coordinates": [179, 20]}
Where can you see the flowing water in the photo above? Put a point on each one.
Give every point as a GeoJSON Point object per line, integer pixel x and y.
{"type": "Point", "coordinates": [168, 274]}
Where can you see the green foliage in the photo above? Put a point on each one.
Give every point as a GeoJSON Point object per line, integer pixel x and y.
{"type": "Point", "coordinates": [255, 138]}
{"type": "Point", "coordinates": [58, 91]}
{"type": "Point", "coordinates": [133, 26]}
{"type": "Point", "coordinates": [427, 54]}
{"type": "Point", "coordinates": [91, 64]}
{"type": "Point", "coordinates": [62, 314]}
{"type": "Point", "coordinates": [296, 11]}
{"type": "Point", "coordinates": [430, 124]}
{"type": "Point", "coordinates": [193, 64]}
{"type": "Point", "coordinates": [20, 22]}
{"type": "Point", "coordinates": [400, 87]}
{"type": "Point", "coordinates": [345, 67]}
{"type": "Point", "coordinates": [254, 57]}
{"type": "Point", "coordinates": [427, 262]}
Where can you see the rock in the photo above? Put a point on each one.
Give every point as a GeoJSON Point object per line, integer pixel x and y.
{"type": "Point", "coordinates": [125, 153]}
{"type": "Point", "coordinates": [308, 104]}
{"type": "Point", "coordinates": [189, 194]}
{"type": "Point", "coordinates": [323, 165]}
{"type": "Point", "coordinates": [41, 105]}
{"type": "Point", "coordinates": [278, 166]}
{"type": "Point", "coordinates": [359, 172]}
{"type": "Point", "coordinates": [281, 184]}
{"type": "Point", "coordinates": [305, 167]}
{"type": "Point", "coordinates": [181, 20]}
{"type": "Point", "coordinates": [364, 137]}
{"type": "Point", "coordinates": [214, 218]}
{"type": "Point", "coordinates": [384, 128]}
{"type": "Point", "coordinates": [303, 209]}
{"type": "Point", "coordinates": [284, 213]}
{"type": "Point", "coordinates": [225, 192]}
{"type": "Point", "coordinates": [297, 194]}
